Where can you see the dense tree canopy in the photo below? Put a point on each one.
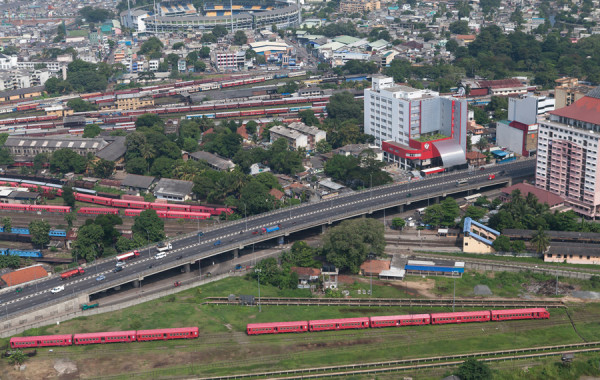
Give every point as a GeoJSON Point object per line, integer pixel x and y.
{"type": "Point", "coordinates": [343, 106]}
{"type": "Point", "coordinates": [240, 38]}
{"type": "Point", "coordinates": [80, 105]}
{"type": "Point", "coordinates": [357, 172]}
{"type": "Point", "coordinates": [66, 160]}
{"type": "Point", "coordinates": [348, 245]}
{"type": "Point", "coordinates": [95, 15]}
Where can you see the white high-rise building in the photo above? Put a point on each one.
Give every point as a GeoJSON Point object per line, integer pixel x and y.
{"type": "Point", "coordinates": [416, 129]}
{"type": "Point", "coordinates": [568, 160]}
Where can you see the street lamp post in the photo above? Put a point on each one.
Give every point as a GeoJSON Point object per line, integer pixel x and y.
{"type": "Point", "coordinates": [371, 256]}
{"type": "Point", "coordinates": [148, 238]}
{"type": "Point", "coordinates": [245, 216]}
{"type": "Point", "coordinates": [258, 271]}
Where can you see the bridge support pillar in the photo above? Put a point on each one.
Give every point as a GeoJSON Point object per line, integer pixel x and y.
{"type": "Point", "coordinates": [186, 268]}
{"type": "Point", "coordinates": [236, 253]}
{"type": "Point", "coordinates": [509, 182]}
{"type": "Point", "coordinates": [401, 208]}
{"type": "Point", "coordinates": [364, 215]}
{"type": "Point", "coordinates": [136, 283]}
{"type": "Point", "coordinates": [323, 229]}
{"type": "Point", "coordinates": [436, 200]}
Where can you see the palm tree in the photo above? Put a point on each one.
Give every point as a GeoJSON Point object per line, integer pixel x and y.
{"type": "Point", "coordinates": [147, 151]}
{"type": "Point", "coordinates": [531, 200]}
{"type": "Point", "coordinates": [17, 358]}
{"type": "Point", "coordinates": [482, 144]}
{"type": "Point", "coordinates": [540, 240]}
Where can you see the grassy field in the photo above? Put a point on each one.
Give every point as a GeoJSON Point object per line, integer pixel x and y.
{"type": "Point", "coordinates": [224, 348]}
{"type": "Point", "coordinates": [502, 284]}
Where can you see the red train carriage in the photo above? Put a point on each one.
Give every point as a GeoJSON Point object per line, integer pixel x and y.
{"type": "Point", "coordinates": [276, 327]}
{"type": "Point", "coordinates": [505, 315]}
{"type": "Point", "coordinates": [461, 317]}
{"type": "Point", "coordinates": [168, 207]}
{"type": "Point", "coordinates": [339, 324]}
{"type": "Point", "coordinates": [129, 204]}
{"type": "Point", "coordinates": [84, 197]}
{"type": "Point", "coordinates": [132, 212]}
{"type": "Point", "coordinates": [400, 320]}
{"type": "Point", "coordinates": [105, 337]}
{"type": "Point", "coordinates": [166, 334]}
{"type": "Point", "coordinates": [182, 215]}
{"type": "Point", "coordinates": [41, 341]}
{"type": "Point", "coordinates": [14, 206]}
{"type": "Point", "coordinates": [61, 209]}
{"type": "Point", "coordinates": [98, 211]}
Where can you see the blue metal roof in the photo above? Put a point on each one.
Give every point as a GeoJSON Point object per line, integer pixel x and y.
{"type": "Point", "coordinates": [499, 153]}
{"type": "Point", "coordinates": [434, 269]}
{"type": "Point", "coordinates": [469, 222]}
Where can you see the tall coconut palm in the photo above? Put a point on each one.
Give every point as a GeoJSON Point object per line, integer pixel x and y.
{"type": "Point", "coordinates": [148, 152]}
{"type": "Point", "coordinates": [540, 240]}
{"type": "Point", "coordinates": [482, 144]}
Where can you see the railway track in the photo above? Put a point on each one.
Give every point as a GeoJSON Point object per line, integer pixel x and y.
{"type": "Point", "coordinates": [499, 263]}
{"type": "Point", "coordinates": [417, 363]}
{"type": "Point", "coordinates": [405, 302]}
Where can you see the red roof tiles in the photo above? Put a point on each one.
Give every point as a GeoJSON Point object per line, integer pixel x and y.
{"type": "Point", "coordinates": [586, 109]}
{"type": "Point", "coordinates": [24, 275]}
{"type": "Point", "coordinates": [543, 196]}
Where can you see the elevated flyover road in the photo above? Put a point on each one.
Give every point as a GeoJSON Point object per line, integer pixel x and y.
{"type": "Point", "coordinates": [231, 236]}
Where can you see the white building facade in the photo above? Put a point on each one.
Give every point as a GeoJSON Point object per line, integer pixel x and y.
{"type": "Point", "coordinates": [416, 128]}
{"type": "Point", "coordinates": [568, 157]}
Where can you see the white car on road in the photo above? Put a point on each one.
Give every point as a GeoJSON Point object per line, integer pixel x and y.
{"type": "Point", "coordinates": [58, 289]}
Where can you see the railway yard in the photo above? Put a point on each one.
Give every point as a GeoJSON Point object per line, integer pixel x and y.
{"type": "Point", "coordinates": [224, 350]}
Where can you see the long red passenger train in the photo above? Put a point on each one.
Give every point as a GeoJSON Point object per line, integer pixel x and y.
{"type": "Point", "coordinates": [104, 337]}
{"type": "Point", "coordinates": [282, 327]}
{"type": "Point", "coordinates": [396, 321]}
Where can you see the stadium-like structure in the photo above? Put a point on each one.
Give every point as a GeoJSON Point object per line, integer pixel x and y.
{"type": "Point", "coordinates": [234, 15]}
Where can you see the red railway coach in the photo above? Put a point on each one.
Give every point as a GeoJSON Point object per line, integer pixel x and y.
{"type": "Point", "coordinates": [227, 114]}
{"type": "Point", "coordinates": [505, 315]}
{"type": "Point", "coordinates": [13, 206]}
{"type": "Point", "coordinates": [277, 327]}
{"type": "Point", "coordinates": [339, 324]}
{"type": "Point", "coordinates": [62, 209]}
{"type": "Point", "coordinates": [41, 341]}
{"type": "Point", "coordinates": [167, 334]}
{"type": "Point", "coordinates": [183, 215]}
{"type": "Point", "coordinates": [129, 204]}
{"type": "Point", "coordinates": [271, 111]}
{"type": "Point", "coordinates": [168, 207]}
{"type": "Point", "coordinates": [105, 337]}
{"type": "Point", "coordinates": [400, 320]}
{"type": "Point", "coordinates": [461, 317]}
{"type": "Point", "coordinates": [131, 212]}
{"type": "Point", "coordinates": [98, 211]}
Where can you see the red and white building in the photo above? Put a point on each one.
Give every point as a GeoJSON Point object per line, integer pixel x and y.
{"type": "Point", "coordinates": [416, 129]}
{"type": "Point", "coordinates": [567, 158]}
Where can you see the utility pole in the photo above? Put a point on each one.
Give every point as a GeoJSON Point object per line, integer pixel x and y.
{"type": "Point", "coordinates": [454, 294]}
{"type": "Point", "coordinates": [258, 271]}
{"type": "Point", "coordinates": [148, 237]}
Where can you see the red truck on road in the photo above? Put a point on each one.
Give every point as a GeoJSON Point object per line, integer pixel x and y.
{"type": "Point", "coordinates": [128, 255]}
{"type": "Point", "coordinates": [71, 273]}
